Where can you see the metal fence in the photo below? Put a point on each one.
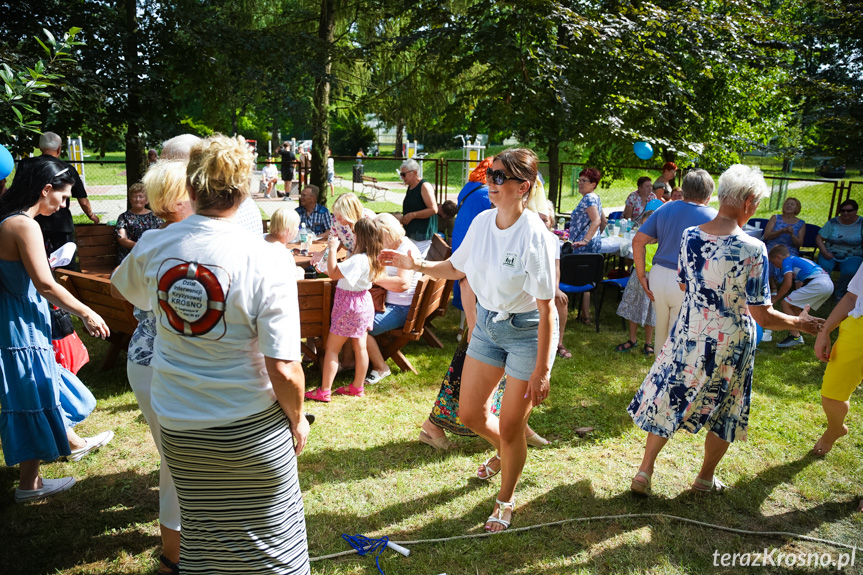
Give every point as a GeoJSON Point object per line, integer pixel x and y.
{"type": "Point", "coordinates": [106, 185]}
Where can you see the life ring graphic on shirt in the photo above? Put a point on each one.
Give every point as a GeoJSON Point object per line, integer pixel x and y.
{"type": "Point", "coordinates": [192, 298]}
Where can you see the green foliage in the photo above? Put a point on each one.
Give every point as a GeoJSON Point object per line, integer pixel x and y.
{"type": "Point", "coordinates": [25, 82]}
{"type": "Point", "coordinates": [349, 135]}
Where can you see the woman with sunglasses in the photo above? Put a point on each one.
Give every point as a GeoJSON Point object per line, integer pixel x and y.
{"type": "Point", "coordinates": [840, 245]}
{"type": "Point", "coordinates": [508, 259]}
{"type": "Point", "coordinates": [584, 224]}
{"type": "Point", "coordinates": [33, 426]}
{"type": "Point", "coordinates": [419, 209]}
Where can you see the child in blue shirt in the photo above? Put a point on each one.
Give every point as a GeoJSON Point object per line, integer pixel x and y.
{"type": "Point", "coordinates": [812, 287]}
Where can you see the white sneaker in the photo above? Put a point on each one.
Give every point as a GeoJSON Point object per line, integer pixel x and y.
{"type": "Point", "coordinates": [376, 376]}
{"type": "Point", "coordinates": [93, 443]}
{"type": "Point", "coordinates": [49, 487]}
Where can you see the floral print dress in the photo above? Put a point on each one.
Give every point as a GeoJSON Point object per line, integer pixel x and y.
{"type": "Point", "coordinates": [135, 226]}
{"type": "Point", "coordinates": [703, 375]}
{"type": "Point", "coordinates": [579, 223]}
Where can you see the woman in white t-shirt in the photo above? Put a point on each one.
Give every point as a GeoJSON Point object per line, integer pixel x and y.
{"type": "Point", "coordinates": [227, 384]}
{"type": "Point", "coordinates": [508, 258]}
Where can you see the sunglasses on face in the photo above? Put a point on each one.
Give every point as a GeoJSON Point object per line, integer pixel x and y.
{"type": "Point", "coordinates": [499, 177]}
{"type": "Point", "coordinates": [847, 211]}
{"type": "Point", "coordinates": [403, 175]}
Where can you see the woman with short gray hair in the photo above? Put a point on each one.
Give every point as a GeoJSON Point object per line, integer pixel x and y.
{"type": "Point", "coordinates": [419, 209]}
{"type": "Point", "coordinates": [703, 375]}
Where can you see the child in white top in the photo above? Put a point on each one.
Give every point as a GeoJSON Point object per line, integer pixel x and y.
{"type": "Point", "coordinates": [353, 311]}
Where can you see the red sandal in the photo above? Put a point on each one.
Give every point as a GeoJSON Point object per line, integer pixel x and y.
{"type": "Point", "coordinates": [351, 390]}
{"type": "Point", "coordinates": [318, 395]}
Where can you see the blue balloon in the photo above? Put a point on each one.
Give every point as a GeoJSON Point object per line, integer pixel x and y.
{"type": "Point", "coordinates": [653, 205]}
{"type": "Point", "coordinates": [7, 163]}
{"type": "Point", "coordinates": [643, 150]}
{"type": "Point", "coordinates": [759, 333]}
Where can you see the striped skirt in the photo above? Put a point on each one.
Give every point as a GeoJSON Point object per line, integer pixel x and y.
{"type": "Point", "coordinates": [240, 500]}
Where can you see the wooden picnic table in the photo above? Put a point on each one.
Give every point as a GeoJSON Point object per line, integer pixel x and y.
{"type": "Point", "coordinates": [317, 247]}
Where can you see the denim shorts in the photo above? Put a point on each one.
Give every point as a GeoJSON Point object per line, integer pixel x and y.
{"type": "Point", "coordinates": [510, 343]}
{"type": "Point", "coordinates": [393, 317]}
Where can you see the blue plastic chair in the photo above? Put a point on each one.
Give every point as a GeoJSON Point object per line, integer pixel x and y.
{"type": "Point", "coordinates": [615, 215]}
{"type": "Point", "coordinates": [582, 273]}
{"type": "Point", "coordinates": [620, 284]}
{"type": "Point", "coordinates": [809, 241]}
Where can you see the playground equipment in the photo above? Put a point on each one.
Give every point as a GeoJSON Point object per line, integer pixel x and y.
{"type": "Point", "coordinates": [473, 153]}
{"type": "Point", "coordinates": [76, 155]}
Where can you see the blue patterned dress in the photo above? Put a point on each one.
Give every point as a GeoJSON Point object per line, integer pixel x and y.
{"type": "Point", "coordinates": [784, 240]}
{"type": "Point", "coordinates": [703, 375]}
{"type": "Point", "coordinates": [579, 223]}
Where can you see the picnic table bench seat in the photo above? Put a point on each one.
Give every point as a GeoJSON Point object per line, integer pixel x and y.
{"type": "Point", "coordinates": [427, 298]}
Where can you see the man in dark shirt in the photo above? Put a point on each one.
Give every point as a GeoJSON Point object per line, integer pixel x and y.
{"type": "Point", "coordinates": [58, 228]}
{"type": "Point", "coordinates": [288, 161]}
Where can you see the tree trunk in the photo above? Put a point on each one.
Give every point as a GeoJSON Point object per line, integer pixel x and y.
{"type": "Point", "coordinates": [274, 137]}
{"type": "Point", "coordinates": [136, 156]}
{"type": "Point", "coordinates": [553, 171]}
{"type": "Point", "coordinates": [321, 101]}
{"type": "Point", "coordinates": [400, 127]}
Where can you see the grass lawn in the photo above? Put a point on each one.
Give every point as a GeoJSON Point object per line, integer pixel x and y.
{"type": "Point", "coordinates": [365, 472]}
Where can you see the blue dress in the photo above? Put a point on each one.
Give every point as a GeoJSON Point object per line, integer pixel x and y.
{"type": "Point", "coordinates": [703, 375]}
{"type": "Point", "coordinates": [32, 424]}
{"type": "Point", "coordinates": [579, 223]}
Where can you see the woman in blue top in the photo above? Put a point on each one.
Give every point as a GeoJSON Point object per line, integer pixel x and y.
{"type": "Point", "coordinates": [32, 424]}
{"type": "Point", "coordinates": [584, 226]}
{"type": "Point", "coordinates": [840, 245]}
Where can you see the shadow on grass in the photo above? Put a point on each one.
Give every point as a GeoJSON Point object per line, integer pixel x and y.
{"type": "Point", "coordinates": [98, 520]}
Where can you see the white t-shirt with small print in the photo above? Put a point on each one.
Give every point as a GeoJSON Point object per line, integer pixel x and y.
{"type": "Point", "coordinates": [508, 269]}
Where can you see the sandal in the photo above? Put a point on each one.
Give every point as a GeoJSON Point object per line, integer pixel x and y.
{"type": "Point", "coordinates": [485, 472]}
{"type": "Point", "coordinates": [563, 352]}
{"type": "Point", "coordinates": [351, 390]}
{"type": "Point", "coordinates": [640, 487]}
{"type": "Point", "coordinates": [502, 506]}
{"type": "Point", "coordinates": [584, 320]}
{"type": "Point", "coordinates": [704, 486]}
{"type": "Point", "coordinates": [318, 395]}
{"type": "Point", "coordinates": [648, 349]}
{"type": "Point", "coordinates": [174, 568]}
{"type": "Point", "coordinates": [536, 440]}
{"type": "Point", "coordinates": [440, 443]}
{"type": "Point", "coordinates": [627, 345]}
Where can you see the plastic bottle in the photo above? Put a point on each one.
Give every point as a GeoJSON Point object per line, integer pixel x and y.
{"type": "Point", "coordinates": [304, 240]}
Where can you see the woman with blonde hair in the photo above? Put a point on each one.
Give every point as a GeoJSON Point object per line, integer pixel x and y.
{"type": "Point", "coordinates": [508, 259]}
{"type": "Point", "coordinates": [400, 286]}
{"type": "Point", "coordinates": [284, 225]}
{"type": "Point", "coordinates": [227, 381]}
{"type": "Point", "coordinates": [347, 211]}
{"type": "Point", "coordinates": [165, 186]}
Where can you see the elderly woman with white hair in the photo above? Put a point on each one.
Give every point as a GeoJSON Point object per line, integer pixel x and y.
{"type": "Point", "coordinates": [703, 375]}
{"type": "Point", "coordinates": [419, 208]}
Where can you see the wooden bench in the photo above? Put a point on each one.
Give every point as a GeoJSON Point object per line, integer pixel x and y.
{"type": "Point", "coordinates": [316, 305]}
{"type": "Point", "coordinates": [95, 292]}
{"type": "Point", "coordinates": [371, 182]}
{"type": "Point", "coordinates": [438, 252]}
{"type": "Point", "coordinates": [97, 249]}
{"type": "Point", "coordinates": [427, 298]}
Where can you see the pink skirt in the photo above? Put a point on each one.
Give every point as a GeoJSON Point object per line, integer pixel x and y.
{"type": "Point", "coordinates": [353, 313]}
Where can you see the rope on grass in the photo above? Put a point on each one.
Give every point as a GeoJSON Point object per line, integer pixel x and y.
{"type": "Point", "coordinates": [609, 518]}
